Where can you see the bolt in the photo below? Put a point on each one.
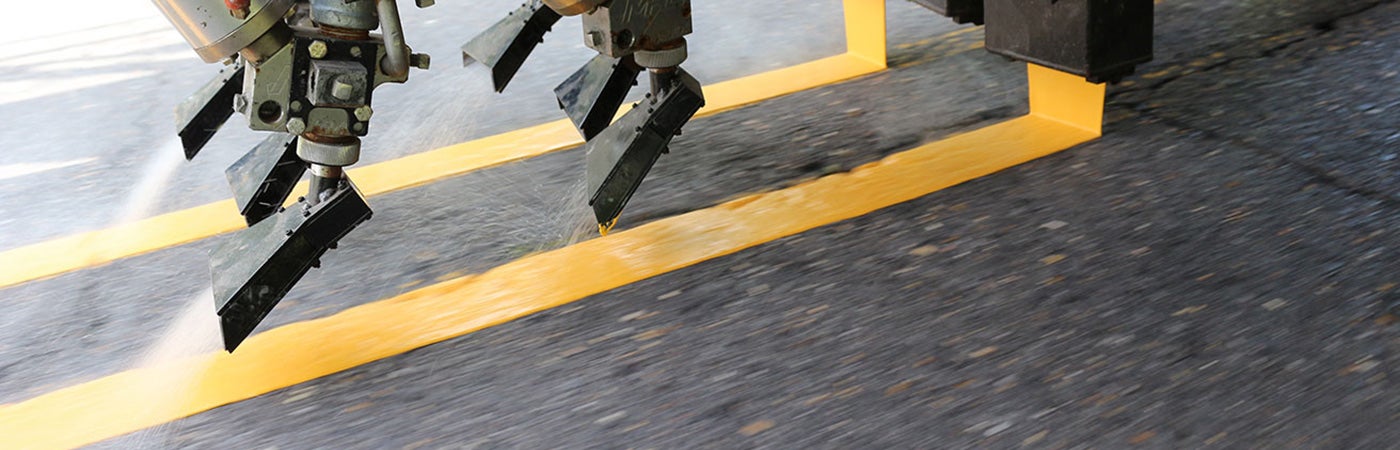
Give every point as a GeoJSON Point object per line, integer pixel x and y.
{"type": "Point", "coordinates": [296, 126]}
{"type": "Point", "coordinates": [358, 127]}
{"type": "Point", "coordinates": [342, 90]}
{"type": "Point", "coordinates": [356, 52]}
{"type": "Point", "coordinates": [420, 60]}
{"type": "Point", "coordinates": [295, 106]}
{"type": "Point", "coordinates": [364, 113]}
{"type": "Point", "coordinates": [318, 49]}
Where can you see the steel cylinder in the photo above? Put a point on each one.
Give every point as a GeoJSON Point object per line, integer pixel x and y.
{"type": "Point", "coordinates": [351, 14]}
{"type": "Point", "coordinates": [214, 31]}
{"type": "Point", "coordinates": [573, 7]}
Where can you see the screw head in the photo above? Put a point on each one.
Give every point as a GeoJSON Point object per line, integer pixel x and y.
{"type": "Point", "coordinates": [318, 49]}
{"type": "Point", "coordinates": [296, 126]}
{"type": "Point", "coordinates": [356, 52]}
{"type": "Point", "coordinates": [364, 113]}
{"type": "Point", "coordinates": [295, 106]}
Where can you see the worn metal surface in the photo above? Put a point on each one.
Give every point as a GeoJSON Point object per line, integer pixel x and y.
{"type": "Point", "coordinates": [620, 157]}
{"type": "Point", "coordinates": [257, 267]}
{"type": "Point", "coordinates": [268, 91]}
{"type": "Point", "coordinates": [573, 7]}
{"type": "Point", "coordinates": [216, 34]}
{"type": "Point", "coordinates": [624, 26]}
{"type": "Point", "coordinates": [505, 46]}
{"type": "Point", "coordinates": [263, 179]}
{"type": "Point", "coordinates": [352, 14]}
{"type": "Point", "coordinates": [592, 95]}
{"type": "Point", "coordinates": [204, 112]}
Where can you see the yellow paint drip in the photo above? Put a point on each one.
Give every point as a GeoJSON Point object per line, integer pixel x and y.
{"type": "Point", "coordinates": [604, 228]}
{"type": "Point", "coordinates": [303, 351]}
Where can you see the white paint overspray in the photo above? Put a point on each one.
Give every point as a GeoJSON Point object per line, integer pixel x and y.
{"type": "Point", "coordinates": [194, 332]}
{"type": "Point", "coordinates": [142, 199]}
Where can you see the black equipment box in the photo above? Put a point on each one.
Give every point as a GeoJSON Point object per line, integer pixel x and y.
{"type": "Point", "coordinates": [1102, 40]}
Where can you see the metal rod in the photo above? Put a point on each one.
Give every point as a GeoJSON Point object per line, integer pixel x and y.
{"type": "Point", "coordinates": [395, 63]}
{"type": "Point", "coordinates": [661, 79]}
{"type": "Point", "coordinates": [325, 180]}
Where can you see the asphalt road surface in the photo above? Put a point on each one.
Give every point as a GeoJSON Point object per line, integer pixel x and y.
{"type": "Point", "coordinates": [1221, 269]}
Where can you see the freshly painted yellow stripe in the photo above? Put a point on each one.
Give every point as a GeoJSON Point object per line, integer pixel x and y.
{"type": "Point", "coordinates": [865, 30]}
{"type": "Point", "coordinates": [292, 354]}
{"type": "Point", "coordinates": [865, 55]}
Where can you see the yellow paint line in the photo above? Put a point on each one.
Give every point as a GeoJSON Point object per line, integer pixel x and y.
{"type": "Point", "coordinates": [295, 353]}
{"type": "Point", "coordinates": [62, 255]}
{"type": "Point", "coordinates": [865, 35]}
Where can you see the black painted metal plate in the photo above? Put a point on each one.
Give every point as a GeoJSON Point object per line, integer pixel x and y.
{"type": "Point", "coordinates": [619, 158]}
{"type": "Point", "coordinates": [264, 177]}
{"type": "Point", "coordinates": [504, 46]}
{"type": "Point", "coordinates": [593, 94]}
{"type": "Point", "coordinates": [255, 268]}
{"type": "Point", "coordinates": [203, 113]}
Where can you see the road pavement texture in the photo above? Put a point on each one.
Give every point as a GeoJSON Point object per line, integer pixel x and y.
{"type": "Point", "coordinates": [1220, 269]}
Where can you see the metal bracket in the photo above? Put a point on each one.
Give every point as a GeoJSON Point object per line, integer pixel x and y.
{"type": "Point", "coordinates": [203, 113]}
{"type": "Point", "coordinates": [264, 177]}
{"type": "Point", "coordinates": [619, 158]}
{"type": "Point", "coordinates": [504, 46]}
{"type": "Point", "coordinates": [594, 93]}
{"type": "Point", "coordinates": [256, 267]}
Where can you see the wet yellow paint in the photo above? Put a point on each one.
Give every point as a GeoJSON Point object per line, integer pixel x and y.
{"type": "Point", "coordinates": [295, 353]}
{"type": "Point", "coordinates": [604, 228]}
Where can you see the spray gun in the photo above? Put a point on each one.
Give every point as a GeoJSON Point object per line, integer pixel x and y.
{"type": "Point", "coordinates": [630, 36]}
{"type": "Point", "coordinates": [305, 71]}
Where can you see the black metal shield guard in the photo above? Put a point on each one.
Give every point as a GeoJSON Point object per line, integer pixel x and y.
{"type": "Point", "coordinates": [256, 267]}
{"type": "Point", "coordinates": [504, 47]}
{"type": "Point", "coordinates": [264, 177]}
{"type": "Point", "coordinates": [620, 157]}
{"type": "Point", "coordinates": [961, 11]}
{"type": "Point", "coordinates": [1101, 40]}
{"type": "Point", "coordinates": [593, 94]}
{"type": "Point", "coordinates": [201, 115]}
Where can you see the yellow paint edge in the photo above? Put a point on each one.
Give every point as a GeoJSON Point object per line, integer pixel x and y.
{"type": "Point", "coordinates": [67, 254]}
{"type": "Point", "coordinates": [129, 401]}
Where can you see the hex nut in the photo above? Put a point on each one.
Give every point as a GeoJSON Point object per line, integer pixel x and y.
{"type": "Point", "coordinates": [317, 49]}
{"type": "Point", "coordinates": [296, 126]}
{"type": "Point", "coordinates": [364, 113]}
